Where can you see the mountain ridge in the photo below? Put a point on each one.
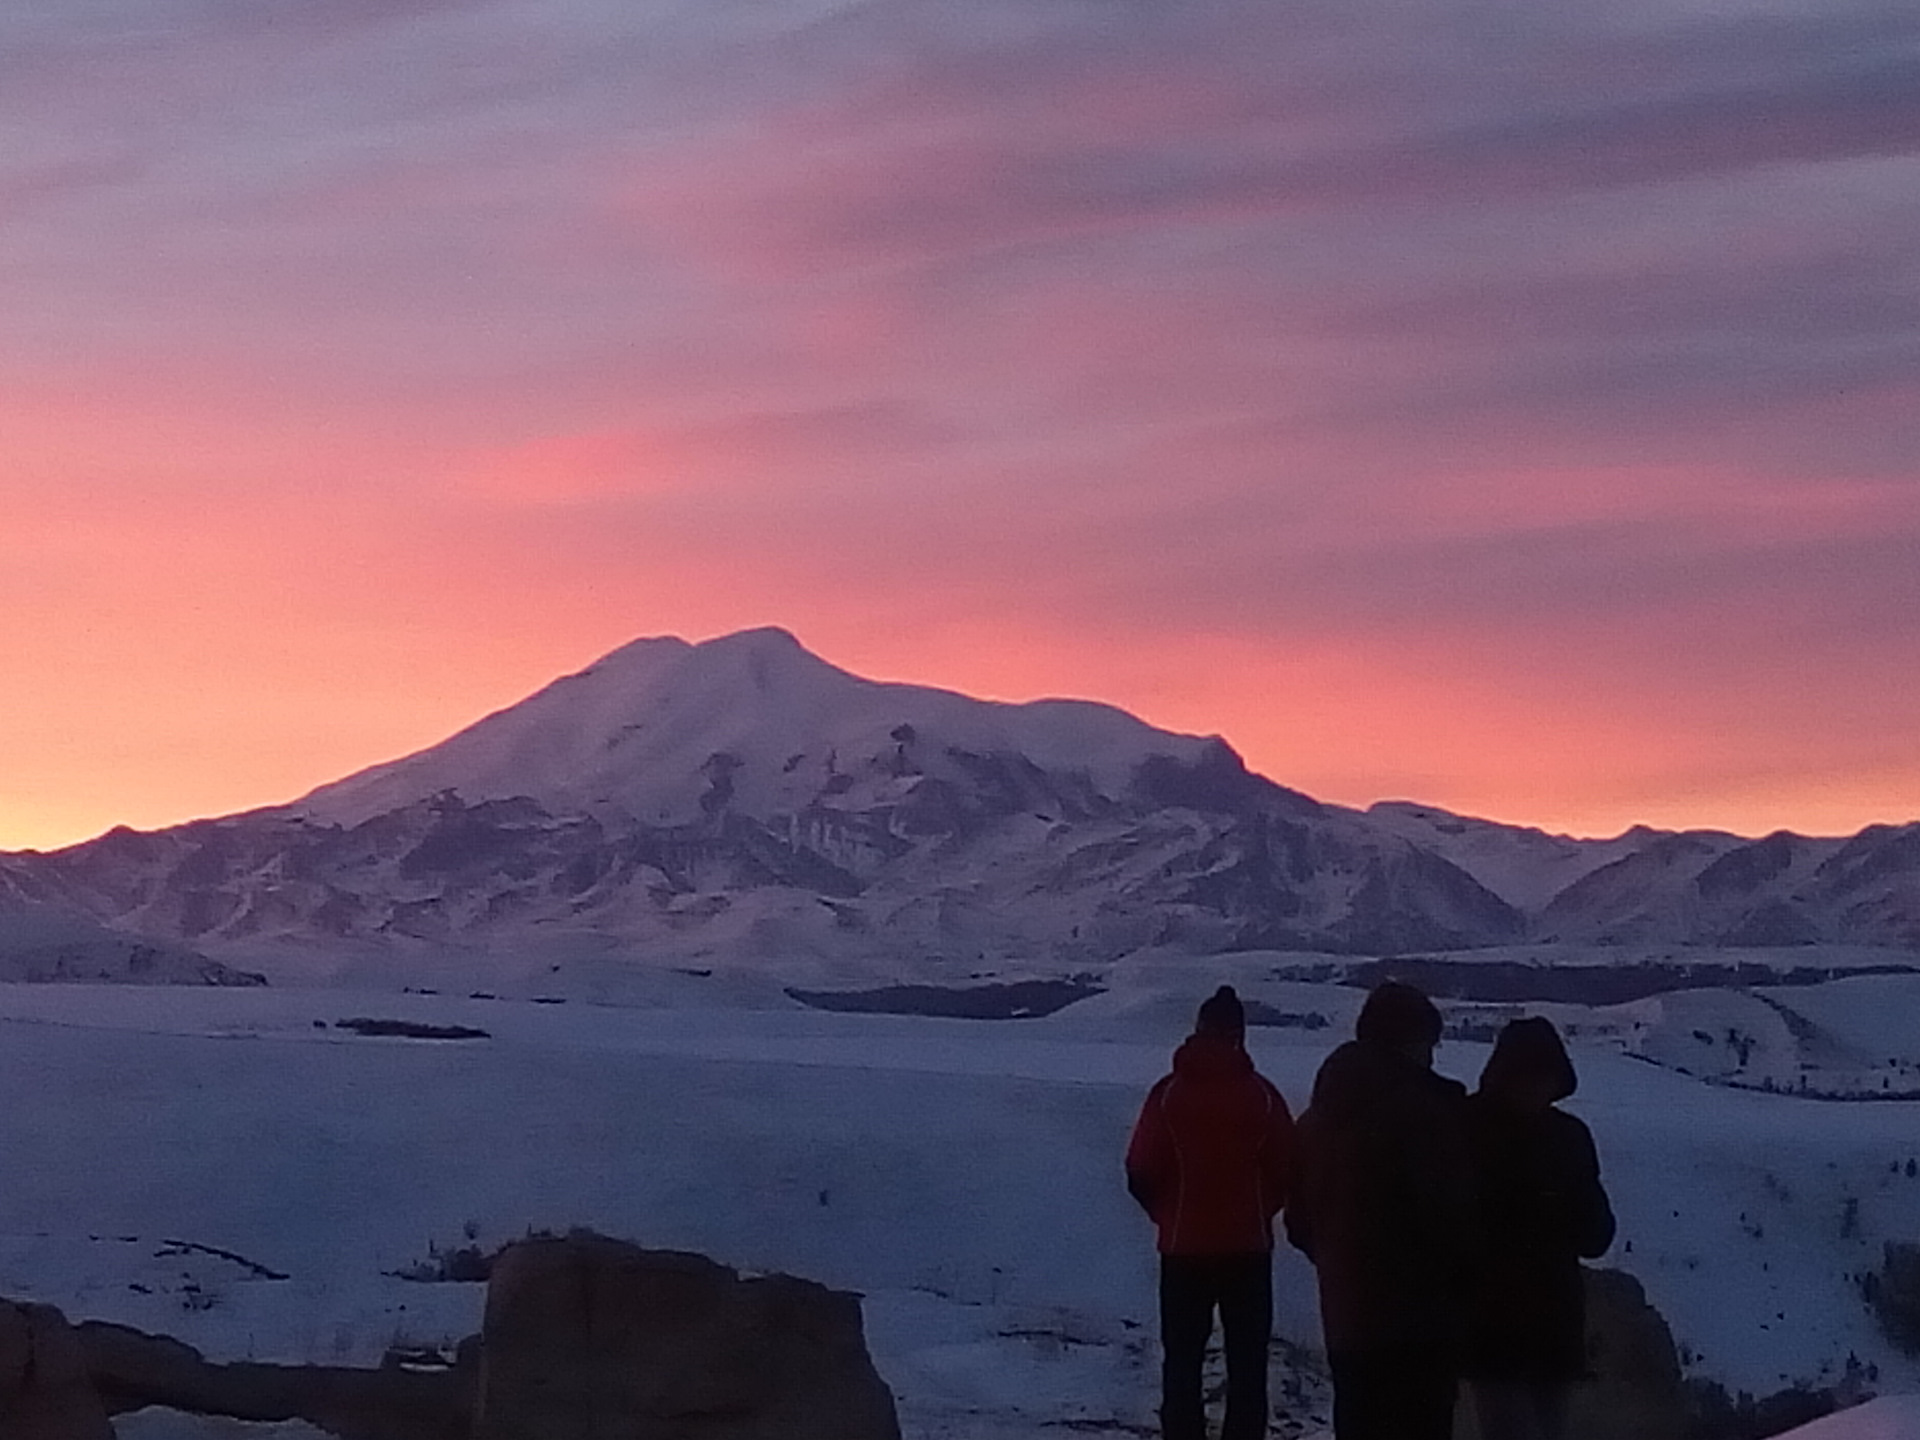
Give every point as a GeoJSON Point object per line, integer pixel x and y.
{"type": "Point", "coordinates": [627, 733]}
{"type": "Point", "coordinates": [743, 799]}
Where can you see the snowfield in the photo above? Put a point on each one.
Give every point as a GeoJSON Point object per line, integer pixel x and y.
{"type": "Point", "coordinates": [231, 1167]}
{"type": "Point", "coordinates": [1894, 1417]}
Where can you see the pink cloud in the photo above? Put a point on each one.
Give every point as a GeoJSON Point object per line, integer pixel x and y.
{"type": "Point", "coordinates": [1536, 440]}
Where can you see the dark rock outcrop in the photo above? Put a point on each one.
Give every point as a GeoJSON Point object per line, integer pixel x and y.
{"type": "Point", "coordinates": [132, 1370]}
{"type": "Point", "coordinates": [588, 1338]}
{"type": "Point", "coordinates": [45, 1392]}
{"type": "Point", "coordinates": [1635, 1391]}
{"type": "Point", "coordinates": [1893, 1294]}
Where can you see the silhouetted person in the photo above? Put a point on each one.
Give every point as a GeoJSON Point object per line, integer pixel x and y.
{"type": "Point", "coordinates": [1209, 1161]}
{"type": "Point", "coordinates": [1542, 1208]}
{"type": "Point", "coordinates": [1383, 1206]}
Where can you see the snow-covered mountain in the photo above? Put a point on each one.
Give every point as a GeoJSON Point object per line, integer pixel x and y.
{"type": "Point", "coordinates": [742, 799]}
{"type": "Point", "coordinates": [1523, 866]}
{"type": "Point", "coordinates": [1706, 887]}
{"type": "Point", "coordinates": [666, 733]}
{"type": "Point", "coordinates": [1693, 887]}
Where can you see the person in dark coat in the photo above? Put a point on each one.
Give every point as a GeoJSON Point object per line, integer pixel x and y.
{"type": "Point", "coordinates": [1542, 1209]}
{"type": "Point", "coordinates": [1210, 1162]}
{"type": "Point", "coordinates": [1383, 1206]}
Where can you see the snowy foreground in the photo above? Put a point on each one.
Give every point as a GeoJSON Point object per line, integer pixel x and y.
{"type": "Point", "coordinates": [230, 1167]}
{"type": "Point", "coordinates": [1896, 1417]}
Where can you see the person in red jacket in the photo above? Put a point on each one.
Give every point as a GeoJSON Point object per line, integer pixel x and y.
{"type": "Point", "coordinates": [1209, 1162]}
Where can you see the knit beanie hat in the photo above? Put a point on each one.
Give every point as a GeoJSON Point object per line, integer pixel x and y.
{"type": "Point", "coordinates": [1221, 1014]}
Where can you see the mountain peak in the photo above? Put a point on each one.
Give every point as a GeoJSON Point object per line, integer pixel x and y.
{"type": "Point", "coordinates": [765, 658]}
{"type": "Point", "coordinates": [759, 640]}
{"type": "Point", "coordinates": [634, 735]}
{"type": "Point", "coordinates": [645, 661]}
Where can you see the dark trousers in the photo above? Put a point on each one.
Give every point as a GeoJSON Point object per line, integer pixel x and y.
{"type": "Point", "coordinates": [1192, 1287]}
{"type": "Point", "coordinates": [1397, 1393]}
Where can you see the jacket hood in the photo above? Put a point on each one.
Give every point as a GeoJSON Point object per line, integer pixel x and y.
{"type": "Point", "coordinates": [1210, 1057]}
{"type": "Point", "coordinates": [1528, 1052]}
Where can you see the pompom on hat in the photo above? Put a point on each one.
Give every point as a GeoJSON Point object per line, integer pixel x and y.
{"type": "Point", "coordinates": [1221, 1013]}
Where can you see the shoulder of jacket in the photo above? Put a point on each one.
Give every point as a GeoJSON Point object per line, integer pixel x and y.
{"type": "Point", "coordinates": [1568, 1129]}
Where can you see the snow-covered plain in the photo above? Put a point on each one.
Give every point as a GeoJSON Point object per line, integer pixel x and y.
{"type": "Point", "coordinates": [963, 1175]}
{"type": "Point", "coordinates": [1893, 1417]}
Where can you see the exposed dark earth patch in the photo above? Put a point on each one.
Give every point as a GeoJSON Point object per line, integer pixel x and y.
{"type": "Point", "coordinates": [1258, 1012]}
{"type": "Point", "coordinates": [411, 1029]}
{"type": "Point", "coordinates": [1013, 1000]}
{"type": "Point", "coordinates": [1601, 984]}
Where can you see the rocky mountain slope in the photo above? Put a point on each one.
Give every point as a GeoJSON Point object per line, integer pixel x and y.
{"type": "Point", "coordinates": [41, 944]}
{"type": "Point", "coordinates": [1709, 888]}
{"type": "Point", "coordinates": [1523, 866]}
{"type": "Point", "coordinates": [743, 799]}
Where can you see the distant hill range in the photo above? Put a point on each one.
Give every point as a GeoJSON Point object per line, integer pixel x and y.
{"type": "Point", "coordinates": [743, 798]}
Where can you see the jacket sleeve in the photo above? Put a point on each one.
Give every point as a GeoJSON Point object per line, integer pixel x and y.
{"type": "Point", "coordinates": [1303, 1184]}
{"type": "Point", "coordinates": [1150, 1155]}
{"type": "Point", "coordinates": [1277, 1155]}
{"type": "Point", "coordinates": [1589, 1214]}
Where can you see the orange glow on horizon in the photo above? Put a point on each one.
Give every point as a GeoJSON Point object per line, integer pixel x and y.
{"type": "Point", "coordinates": [143, 738]}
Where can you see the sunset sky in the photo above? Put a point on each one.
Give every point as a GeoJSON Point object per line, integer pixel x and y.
{"type": "Point", "coordinates": [1508, 404]}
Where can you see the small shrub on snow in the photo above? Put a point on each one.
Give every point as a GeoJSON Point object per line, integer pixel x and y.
{"type": "Point", "coordinates": [1893, 1294]}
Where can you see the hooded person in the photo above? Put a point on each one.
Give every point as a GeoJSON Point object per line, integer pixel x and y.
{"type": "Point", "coordinates": [1210, 1162]}
{"type": "Point", "coordinates": [1383, 1206]}
{"type": "Point", "coordinates": [1542, 1210]}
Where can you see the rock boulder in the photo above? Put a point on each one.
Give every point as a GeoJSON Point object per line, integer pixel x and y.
{"type": "Point", "coordinates": [588, 1338]}
{"type": "Point", "coordinates": [1635, 1391]}
{"type": "Point", "coordinates": [45, 1392]}
{"type": "Point", "coordinates": [132, 1370]}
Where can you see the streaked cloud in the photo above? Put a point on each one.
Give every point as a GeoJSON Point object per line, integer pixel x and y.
{"type": "Point", "coordinates": [1552, 369]}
